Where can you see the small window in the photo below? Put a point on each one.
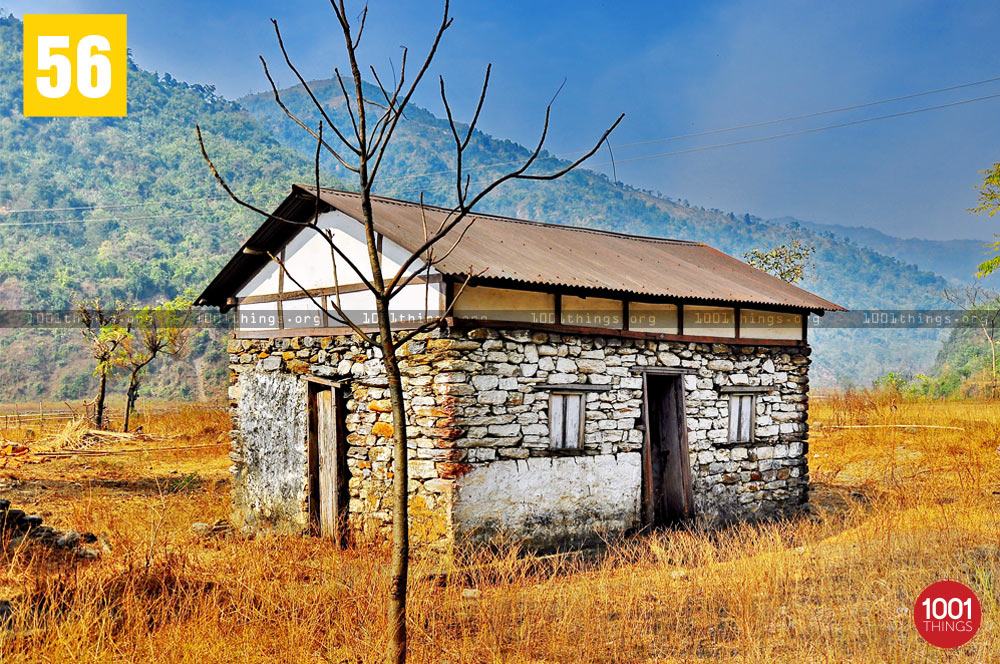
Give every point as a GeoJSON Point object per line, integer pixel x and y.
{"type": "Point", "coordinates": [566, 420]}
{"type": "Point", "coordinates": [741, 416]}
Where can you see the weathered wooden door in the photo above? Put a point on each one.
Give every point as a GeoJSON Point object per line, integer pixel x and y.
{"type": "Point", "coordinates": [327, 463]}
{"type": "Point", "coordinates": [668, 472]}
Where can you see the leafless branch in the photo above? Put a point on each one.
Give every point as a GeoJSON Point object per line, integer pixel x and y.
{"type": "Point", "coordinates": [464, 208]}
{"type": "Point", "coordinates": [383, 133]}
{"type": "Point", "coordinates": [333, 258]}
{"type": "Point", "coordinates": [308, 89]}
{"type": "Point", "coordinates": [299, 122]}
{"type": "Point", "coordinates": [341, 317]}
{"type": "Point", "coordinates": [446, 22]}
{"type": "Point", "coordinates": [479, 108]}
{"type": "Point", "coordinates": [350, 111]}
{"type": "Point", "coordinates": [437, 320]}
{"type": "Point", "coordinates": [250, 206]}
{"type": "Point", "coordinates": [319, 143]}
{"type": "Point", "coordinates": [361, 27]}
{"type": "Point", "coordinates": [390, 108]}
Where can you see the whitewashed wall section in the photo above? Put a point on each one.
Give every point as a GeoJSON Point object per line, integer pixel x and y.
{"type": "Point", "coordinates": [270, 453]}
{"type": "Point", "coordinates": [310, 262]}
{"type": "Point", "coordinates": [568, 500]}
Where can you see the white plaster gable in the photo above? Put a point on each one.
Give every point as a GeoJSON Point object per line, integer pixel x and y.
{"type": "Point", "coordinates": [309, 259]}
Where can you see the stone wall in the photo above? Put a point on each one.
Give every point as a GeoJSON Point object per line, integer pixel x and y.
{"type": "Point", "coordinates": [268, 391]}
{"type": "Point", "coordinates": [477, 418]}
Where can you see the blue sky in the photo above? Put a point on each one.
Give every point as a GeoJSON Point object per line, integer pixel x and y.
{"type": "Point", "coordinates": [673, 68]}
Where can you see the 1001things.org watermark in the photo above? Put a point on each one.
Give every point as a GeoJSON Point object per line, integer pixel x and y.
{"type": "Point", "coordinates": [644, 320]}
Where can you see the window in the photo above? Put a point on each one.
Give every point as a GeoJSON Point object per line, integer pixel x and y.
{"type": "Point", "coordinates": [741, 416]}
{"type": "Point", "coordinates": [566, 420]}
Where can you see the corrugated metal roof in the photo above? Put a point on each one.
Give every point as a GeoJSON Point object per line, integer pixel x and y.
{"type": "Point", "coordinates": [533, 253]}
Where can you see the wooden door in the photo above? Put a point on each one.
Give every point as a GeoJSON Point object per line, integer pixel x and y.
{"type": "Point", "coordinates": [327, 463]}
{"type": "Point", "coordinates": [668, 473]}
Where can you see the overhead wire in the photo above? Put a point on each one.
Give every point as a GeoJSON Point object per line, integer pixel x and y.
{"type": "Point", "coordinates": [760, 139]}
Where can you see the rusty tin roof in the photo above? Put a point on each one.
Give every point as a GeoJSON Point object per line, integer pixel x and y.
{"type": "Point", "coordinates": [535, 254]}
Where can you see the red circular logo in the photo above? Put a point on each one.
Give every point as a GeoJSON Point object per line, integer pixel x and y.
{"type": "Point", "coordinates": [947, 614]}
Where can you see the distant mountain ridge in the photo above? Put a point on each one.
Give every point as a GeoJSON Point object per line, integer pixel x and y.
{"type": "Point", "coordinates": [953, 259]}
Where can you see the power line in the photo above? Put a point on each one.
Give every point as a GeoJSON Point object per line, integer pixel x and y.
{"type": "Point", "coordinates": [800, 132]}
{"type": "Point", "coordinates": [813, 115]}
{"type": "Point", "coordinates": [116, 206]}
{"type": "Point", "coordinates": [751, 125]}
{"type": "Point", "coordinates": [568, 154]}
{"type": "Point", "coordinates": [98, 221]}
{"type": "Point", "coordinates": [762, 139]}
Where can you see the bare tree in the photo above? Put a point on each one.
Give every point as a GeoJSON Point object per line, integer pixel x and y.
{"type": "Point", "coordinates": [105, 331]}
{"type": "Point", "coordinates": [982, 306]}
{"type": "Point", "coordinates": [361, 149]}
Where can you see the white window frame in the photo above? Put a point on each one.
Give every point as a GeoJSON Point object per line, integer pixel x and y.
{"type": "Point", "coordinates": [561, 414]}
{"type": "Point", "coordinates": [742, 416]}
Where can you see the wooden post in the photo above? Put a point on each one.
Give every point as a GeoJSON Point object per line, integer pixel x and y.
{"type": "Point", "coordinates": [281, 291]}
{"type": "Point", "coordinates": [647, 462]}
{"type": "Point", "coordinates": [682, 433]}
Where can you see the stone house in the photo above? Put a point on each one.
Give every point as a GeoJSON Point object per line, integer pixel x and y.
{"type": "Point", "coordinates": [585, 384]}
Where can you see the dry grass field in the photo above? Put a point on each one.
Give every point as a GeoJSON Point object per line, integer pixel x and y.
{"type": "Point", "coordinates": [894, 509]}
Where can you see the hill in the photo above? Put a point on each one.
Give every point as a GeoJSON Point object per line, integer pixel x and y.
{"type": "Point", "coordinates": [119, 208]}
{"type": "Point", "coordinates": [952, 259]}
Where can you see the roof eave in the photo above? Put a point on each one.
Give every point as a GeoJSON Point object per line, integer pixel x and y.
{"type": "Point", "coordinates": [274, 233]}
{"type": "Point", "coordinates": [818, 305]}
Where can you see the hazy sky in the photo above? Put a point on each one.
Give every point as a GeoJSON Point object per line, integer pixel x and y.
{"type": "Point", "coordinates": [673, 68]}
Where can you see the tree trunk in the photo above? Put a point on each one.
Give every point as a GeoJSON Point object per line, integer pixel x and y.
{"type": "Point", "coordinates": [131, 394]}
{"type": "Point", "coordinates": [400, 489]}
{"type": "Point", "coordinates": [993, 381]}
{"type": "Point", "coordinates": [993, 364]}
{"type": "Point", "coordinates": [99, 402]}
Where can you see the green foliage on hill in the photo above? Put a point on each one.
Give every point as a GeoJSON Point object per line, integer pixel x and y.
{"type": "Point", "coordinates": [169, 229]}
{"type": "Point", "coordinates": [962, 367]}
{"type": "Point", "coordinates": [952, 259]}
{"type": "Point", "coordinates": [155, 249]}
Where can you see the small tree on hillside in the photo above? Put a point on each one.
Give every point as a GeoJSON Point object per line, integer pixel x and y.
{"type": "Point", "coordinates": [982, 307]}
{"type": "Point", "coordinates": [361, 148]}
{"type": "Point", "coordinates": [155, 331]}
{"type": "Point", "coordinates": [785, 261]}
{"type": "Point", "coordinates": [105, 331]}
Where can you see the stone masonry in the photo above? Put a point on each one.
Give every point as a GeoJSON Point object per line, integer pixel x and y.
{"type": "Point", "coordinates": [480, 463]}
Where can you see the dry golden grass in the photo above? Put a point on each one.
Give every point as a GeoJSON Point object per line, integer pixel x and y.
{"type": "Point", "coordinates": [894, 510]}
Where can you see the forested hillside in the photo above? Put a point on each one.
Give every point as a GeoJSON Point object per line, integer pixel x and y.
{"type": "Point", "coordinates": [125, 208]}
{"type": "Point", "coordinates": [119, 208]}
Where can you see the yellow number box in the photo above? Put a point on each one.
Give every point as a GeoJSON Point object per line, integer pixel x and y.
{"type": "Point", "coordinates": [74, 65]}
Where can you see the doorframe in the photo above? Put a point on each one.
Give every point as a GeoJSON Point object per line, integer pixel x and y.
{"type": "Point", "coordinates": [647, 512]}
{"type": "Point", "coordinates": [315, 385]}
